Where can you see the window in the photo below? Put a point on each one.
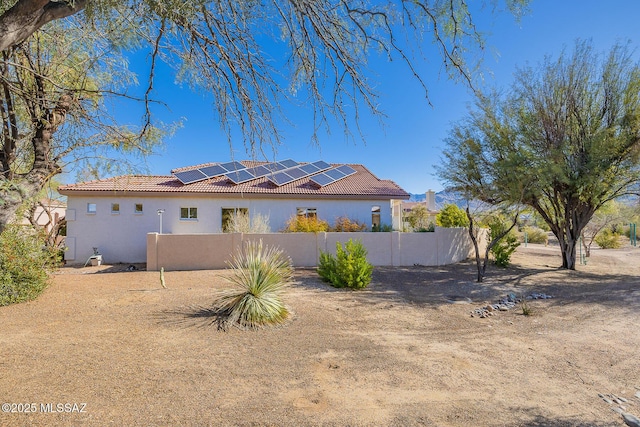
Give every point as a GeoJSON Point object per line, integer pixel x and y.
{"type": "Point", "coordinates": [308, 212]}
{"type": "Point", "coordinates": [229, 218]}
{"type": "Point", "coordinates": [188, 213]}
{"type": "Point", "coordinates": [91, 208]}
{"type": "Point", "coordinates": [138, 208]}
{"type": "Point", "coordinates": [115, 208]}
{"type": "Point", "coordinates": [375, 216]}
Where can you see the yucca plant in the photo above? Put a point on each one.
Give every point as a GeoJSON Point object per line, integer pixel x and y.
{"type": "Point", "coordinates": [259, 275]}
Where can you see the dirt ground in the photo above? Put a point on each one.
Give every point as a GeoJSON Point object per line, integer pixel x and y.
{"type": "Point", "coordinates": [120, 350]}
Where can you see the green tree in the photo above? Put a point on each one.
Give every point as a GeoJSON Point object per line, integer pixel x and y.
{"type": "Point", "coordinates": [564, 141]}
{"type": "Point", "coordinates": [250, 56]}
{"type": "Point", "coordinates": [418, 218]}
{"type": "Point", "coordinates": [452, 216]}
{"type": "Point", "coordinates": [53, 104]}
{"type": "Point", "coordinates": [496, 236]}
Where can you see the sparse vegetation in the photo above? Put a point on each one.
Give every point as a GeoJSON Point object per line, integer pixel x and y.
{"type": "Point", "coordinates": [607, 239]}
{"type": "Point", "coordinates": [349, 268]}
{"type": "Point", "coordinates": [259, 276]}
{"type": "Point", "coordinates": [535, 235]}
{"type": "Point", "coordinates": [344, 224]}
{"type": "Point", "coordinates": [505, 245]}
{"type": "Point", "coordinates": [25, 263]}
{"type": "Point", "coordinates": [240, 222]}
{"type": "Point", "coordinates": [304, 224]}
{"type": "Point", "coordinates": [381, 228]}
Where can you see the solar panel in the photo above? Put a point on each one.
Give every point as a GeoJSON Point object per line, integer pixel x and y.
{"type": "Point", "coordinates": [259, 171]}
{"type": "Point", "coordinates": [281, 178]}
{"type": "Point", "coordinates": [309, 168]}
{"type": "Point", "coordinates": [322, 179]}
{"type": "Point", "coordinates": [296, 173]}
{"type": "Point", "coordinates": [332, 175]}
{"type": "Point", "coordinates": [191, 176]}
{"type": "Point", "coordinates": [347, 170]}
{"type": "Point", "coordinates": [233, 166]}
{"type": "Point", "coordinates": [289, 163]}
{"type": "Point", "coordinates": [322, 165]}
{"type": "Point", "coordinates": [335, 174]}
{"type": "Point", "coordinates": [238, 177]}
{"type": "Point", "coordinates": [213, 171]}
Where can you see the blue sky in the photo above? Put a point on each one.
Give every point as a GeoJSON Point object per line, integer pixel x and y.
{"type": "Point", "coordinates": [410, 143]}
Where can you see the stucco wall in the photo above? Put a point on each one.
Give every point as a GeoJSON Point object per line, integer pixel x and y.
{"type": "Point", "coordinates": [122, 237]}
{"type": "Point", "coordinates": [193, 252]}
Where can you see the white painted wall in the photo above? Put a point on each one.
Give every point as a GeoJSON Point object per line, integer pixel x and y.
{"type": "Point", "coordinates": [121, 237]}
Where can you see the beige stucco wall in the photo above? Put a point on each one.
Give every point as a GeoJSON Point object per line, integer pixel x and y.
{"type": "Point", "coordinates": [122, 237]}
{"type": "Point", "coordinates": [210, 251]}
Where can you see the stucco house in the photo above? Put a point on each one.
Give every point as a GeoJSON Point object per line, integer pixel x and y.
{"type": "Point", "coordinates": [115, 215]}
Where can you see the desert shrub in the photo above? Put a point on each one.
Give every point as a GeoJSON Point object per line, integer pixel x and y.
{"type": "Point", "coordinates": [240, 222]}
{"type": "Point", "coordinates": [259, 275]}
{"type": "Point", "coordinates": [430, 228]}
{"type": "Point", "coordinates": [349, 268]}
{"type": "Point", "coordinates": [452, 216]}
{"type": "Point", "coordinates": [303, 224]}
{"type": "Point", "coordinates": [536, 235]}
{"type": "Point", "coordinates": [25, 263]}
{"type": "Point", "coordinates": [607, 239]}
{"type": "Point", "coordinates": [503, 249]}
{"type": "Point", "coordinates": [382, 228]}
{"type": "Point", "coordinates": [344, 224]}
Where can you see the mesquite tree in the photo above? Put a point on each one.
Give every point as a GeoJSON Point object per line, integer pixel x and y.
{"type": "Point", "coordinates": [564, 140]}
{"type": "Point", "coordinates": [249, 55]}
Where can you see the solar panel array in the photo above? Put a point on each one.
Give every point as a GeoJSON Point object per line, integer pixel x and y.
{"type": "Point", "coordinates": [332, 175]}
{"type": "Point", "coordinates": [200, 174]}
{"type": "Point", "coordinates": [294, 173]}
{"type": "Point", "coordinates": [279, 173]}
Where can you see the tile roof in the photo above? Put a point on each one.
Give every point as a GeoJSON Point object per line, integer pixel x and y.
{"type": "Point", "coordinates": [362, 183]}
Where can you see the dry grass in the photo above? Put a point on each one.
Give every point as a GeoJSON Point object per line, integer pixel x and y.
{"type": "Point", "coordinates": [395, 354]}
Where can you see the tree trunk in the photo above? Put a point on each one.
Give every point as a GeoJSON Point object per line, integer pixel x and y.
{"type": "Point", "coordinates": [481, 268]}
{"type": "Point", "coordinates": [27, 16]}
{"type": "Point", "coordinates": [568, 246]}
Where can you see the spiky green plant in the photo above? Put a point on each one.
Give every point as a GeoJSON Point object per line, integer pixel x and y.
{"type": "Point", "coordinates": [259, 275]}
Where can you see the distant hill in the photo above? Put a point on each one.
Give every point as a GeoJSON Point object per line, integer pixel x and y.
{"type": "Point", "coordinates": [442, 198]}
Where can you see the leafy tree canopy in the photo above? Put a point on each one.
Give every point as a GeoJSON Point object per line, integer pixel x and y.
{"type": "Point", "coordinates": [452, 216]}
{"type": "Point", "coordinates": [564, 140]}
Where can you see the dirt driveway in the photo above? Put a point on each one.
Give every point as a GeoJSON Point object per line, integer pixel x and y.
{"type": "Point", "coordinates": [120, 350]}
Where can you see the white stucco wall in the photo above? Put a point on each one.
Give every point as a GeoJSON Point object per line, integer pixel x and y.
{"type": "Point", "coordinates": [121, 237]}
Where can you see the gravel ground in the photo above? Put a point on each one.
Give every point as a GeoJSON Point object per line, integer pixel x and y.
{"type": "Point", "coordinates": [118, 349]}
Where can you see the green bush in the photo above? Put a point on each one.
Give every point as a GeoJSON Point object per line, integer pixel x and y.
{"type": "Point", "coordinates": [536, 235]}
{"type": "Point", "coordinates": [25, 263]}
{"type": "Point", "coordinates": [428, 229]}
{"type": "Point", "coordinates": [503, 249]}
{"type": "Point", "coordinates": [349, 268]}
{"type": "Point", "coordinates": [452, 216]}
{"type": "Point", "coordinates": [259, 275]}
{"type": "Point", "coordinates": [607, 239]}
{"type": "Point", "coordinates": [381, 228]}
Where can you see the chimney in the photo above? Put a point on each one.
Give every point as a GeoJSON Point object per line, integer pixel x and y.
{"type": "Point", "coordinates": [431, 200]}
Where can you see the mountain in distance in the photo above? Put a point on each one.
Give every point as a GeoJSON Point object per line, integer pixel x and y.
{"type": "Point", "coordinates": [442, 198]}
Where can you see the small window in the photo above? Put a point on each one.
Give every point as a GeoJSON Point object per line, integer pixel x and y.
{"type": "Point", "coordinates": [92, 208]}
{"type": "Point", "coordinates": [115, 208]}
{"type": "Point", "coordinates": [138, 208]}
{"type": "Point", "coordinates": [188, 213]}
{"type": "Point", "coordinates": [308, 212]}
